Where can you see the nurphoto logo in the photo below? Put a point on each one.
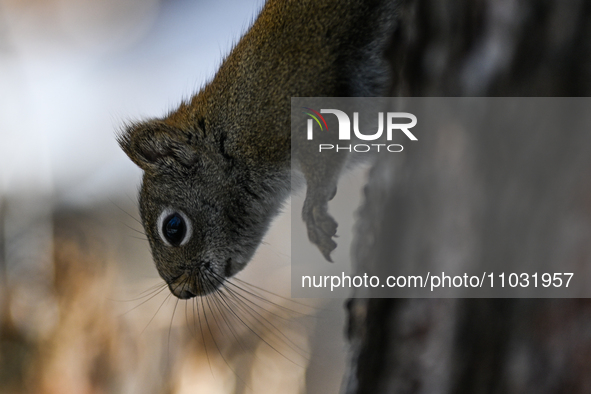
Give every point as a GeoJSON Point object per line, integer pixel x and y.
{"type": "Point", "coordinates": [344, 132]}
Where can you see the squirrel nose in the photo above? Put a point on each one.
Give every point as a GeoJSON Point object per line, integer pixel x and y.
{"type": "Point", "coordinates": [184, 292]}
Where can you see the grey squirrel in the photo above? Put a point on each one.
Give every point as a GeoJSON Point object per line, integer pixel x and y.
{"type": "Point", "coordinates": [217, 170]}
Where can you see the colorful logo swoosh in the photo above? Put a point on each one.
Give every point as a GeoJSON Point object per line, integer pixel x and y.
{"type": "Point", "coordinates": [316, 118]}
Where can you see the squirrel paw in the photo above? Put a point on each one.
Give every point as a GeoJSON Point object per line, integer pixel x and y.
{"type": "Point", "coordinates": [321, 227]}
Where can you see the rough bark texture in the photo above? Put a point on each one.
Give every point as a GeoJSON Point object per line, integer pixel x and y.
{"type": "Point", "coordinates": [480, 48]}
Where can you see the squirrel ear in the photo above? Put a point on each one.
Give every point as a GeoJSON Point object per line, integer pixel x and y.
{"type": "Point", "coordinates": [147, 144]}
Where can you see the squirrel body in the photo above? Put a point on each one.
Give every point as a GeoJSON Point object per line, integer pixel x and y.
{"type": "Point", "coordinates": [217, 170]}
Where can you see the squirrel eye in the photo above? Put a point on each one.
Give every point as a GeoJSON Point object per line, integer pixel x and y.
{"type": "Point", "coordinates": [174, 227]}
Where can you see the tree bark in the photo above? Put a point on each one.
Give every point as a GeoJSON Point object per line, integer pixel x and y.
{"type": "Point", "coordinates": [480, 48]}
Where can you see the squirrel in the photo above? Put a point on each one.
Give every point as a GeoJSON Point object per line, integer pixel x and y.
{"type": "Point", "coordinates": [218, 169]}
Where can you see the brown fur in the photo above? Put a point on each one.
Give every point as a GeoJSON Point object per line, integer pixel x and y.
{"type": "Point", "coordinates": [224, 157]}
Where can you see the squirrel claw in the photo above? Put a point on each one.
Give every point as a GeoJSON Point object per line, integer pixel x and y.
{"type": "Point", "coordinates": [332, 194]}
{"type": "Point", "coordinates": [321, 228]}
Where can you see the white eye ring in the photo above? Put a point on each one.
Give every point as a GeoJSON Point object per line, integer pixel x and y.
{"type": "Point", "coordinates": [160, 224]}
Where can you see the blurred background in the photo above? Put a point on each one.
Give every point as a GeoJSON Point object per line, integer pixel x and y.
{"type": "Point", "coordinates": [82, 309]}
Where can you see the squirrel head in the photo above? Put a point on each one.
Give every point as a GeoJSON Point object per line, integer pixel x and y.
{"type": "Point", "coordinates": [204, 212]}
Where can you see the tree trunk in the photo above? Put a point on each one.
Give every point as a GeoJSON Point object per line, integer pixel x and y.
{"type": "Point", "coordinates": [480, 48]}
